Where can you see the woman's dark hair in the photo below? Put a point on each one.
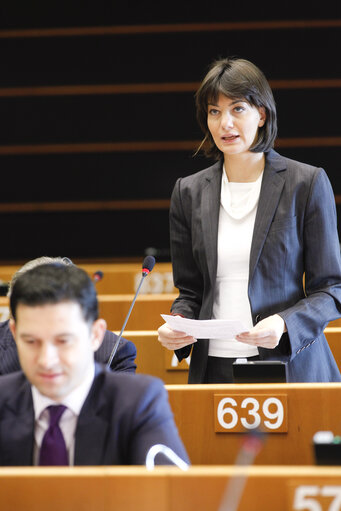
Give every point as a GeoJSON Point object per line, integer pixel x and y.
{"type": "Point", "coordinates": [55, 283]}
{"type": "Point", "coordinates": [237, 79]}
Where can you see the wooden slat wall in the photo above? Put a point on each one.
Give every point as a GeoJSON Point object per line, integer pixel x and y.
{"type": "Point", "coordinates": [98, 115]}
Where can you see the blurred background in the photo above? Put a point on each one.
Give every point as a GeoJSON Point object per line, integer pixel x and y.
{"type": "Point", "coordinates": [98, 119]}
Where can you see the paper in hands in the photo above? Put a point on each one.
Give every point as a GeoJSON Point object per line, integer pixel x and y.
{"type": "Point", "coordinates": [207, 328]}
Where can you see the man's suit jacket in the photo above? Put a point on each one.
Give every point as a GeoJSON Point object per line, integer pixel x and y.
{"type": "Point", "coordinates": [124, 359]}
{"type": "Point", "coordinates": [295, 233]}
{"type": "Point", "coordinates": [122, 417]}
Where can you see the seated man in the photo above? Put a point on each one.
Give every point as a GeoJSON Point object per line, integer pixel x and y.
{"type": "Point", "coordinates": [124, 359]}
{"type": "Point", "coordinates": [64, 408]}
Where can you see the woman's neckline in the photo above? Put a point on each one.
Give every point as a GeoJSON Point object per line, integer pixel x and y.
{"type": "Point", "coordinates": [239, 176]}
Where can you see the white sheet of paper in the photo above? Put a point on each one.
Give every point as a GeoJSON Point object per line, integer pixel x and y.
{"type": "Point", "coordinates": [207, 328]}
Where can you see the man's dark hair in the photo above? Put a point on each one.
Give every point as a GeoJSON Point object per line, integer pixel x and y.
{"type": "Point", "coordinates": [55, 283]}
{"type": "Point", "coordinates": [236, 79]}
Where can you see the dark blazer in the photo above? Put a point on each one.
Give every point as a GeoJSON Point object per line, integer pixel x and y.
{"type": "Point", "coordinates": [122, 417]}
{"type": "Point", "coordinates": [124, 359]}
{"type": "Point", "coordinates": [295, 233]}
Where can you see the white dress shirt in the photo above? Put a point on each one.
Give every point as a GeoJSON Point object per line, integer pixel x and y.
{"type": "Point", "coordinates": [238, 207]}
{"type": "Point", "coordinates": [68, 421]}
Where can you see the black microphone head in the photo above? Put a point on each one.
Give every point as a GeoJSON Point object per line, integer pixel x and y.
{"type": "Point", "coordinates": [97, 276]}
{"type": "Point", "coordinates": [148, 264]}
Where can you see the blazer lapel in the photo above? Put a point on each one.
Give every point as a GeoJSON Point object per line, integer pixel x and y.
{"type": "Point", "coordinates": [90, 440]}
{"type": "Point", "coordinates": [272, 186]}
{"type": "Point", "coordinates": [92, 426]}
{"type": "Point", "coordinates": [17, 427]}
{"type": "Point", "coordinates": [210, 206]}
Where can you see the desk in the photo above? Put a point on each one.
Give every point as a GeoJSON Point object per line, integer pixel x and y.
{"type": "Point", "coordinates": [114, 308]}
{"type": "Point", "coordinates": [311, 407]}
{"type": "Point", "coordinates": [333, 336]}
{"type": "Point", "coordinates": [165, 489]}
{"type": "Point", "coordinates": [152, 358]}
{"type": "Point", "coordinates": [119, 278]}
{"type": "Point", "coordinates": [144, 316]}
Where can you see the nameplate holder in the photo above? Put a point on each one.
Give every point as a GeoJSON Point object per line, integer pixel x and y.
{"type": "Point", "coordinates": [172, 363]}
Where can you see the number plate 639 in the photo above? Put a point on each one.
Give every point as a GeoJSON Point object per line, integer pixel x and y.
{"type": "Point", "coordinates": [236, 413]}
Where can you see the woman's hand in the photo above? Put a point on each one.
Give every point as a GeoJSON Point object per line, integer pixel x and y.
{"type": "Point", "coordinates": [172, 339]}
{"type": "Point", "coordinates": [266, 334]}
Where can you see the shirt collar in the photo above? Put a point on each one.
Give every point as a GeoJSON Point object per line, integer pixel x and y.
{"type": "Point", "coordinates": [73, 401]}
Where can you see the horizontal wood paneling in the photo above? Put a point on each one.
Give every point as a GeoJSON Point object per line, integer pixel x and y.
{"type": "Point", "coordinates": [47, 207]}
{"type": "Point", "coordinates": [63, 13]}
{"type": "Point", "coordinates": [64, 206]}
{"type": "Point", "coordinates": [167, 145]}
{"type": "Point", "coordinates": [88, 176]}
{"type": "Point", "coordinates": [147, 88]}
{"type": "Point", "coordinates": [98, 115]}
{"type": "Point", "coordinates": [169, 28]}
{"type": "Point", "coordinates": [110, 234]}
{"type": "Point", "coordinates": [140, 175]}
{"type": "Point", "coordinates": [166, 57]}
{"type": "Point", "coordinates": [109, 119]}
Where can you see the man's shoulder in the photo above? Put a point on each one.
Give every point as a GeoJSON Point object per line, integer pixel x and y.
{"type": "Point", "coordinates": [10, 385]}
{"type": "Point", "coordinates": [124, 344]}
{"type": "Point", "coordinates": [127, 383]}
{"type": "Point", "coordinates": [5, 333]}
{"type": "Point", "coordinates": [124, 359]}
{"type": "Point", "coordinates": [4, 325]}
{"type": "Point", "coordinates": [16, 378]}
{"type": "Point", "coordinates": [115, 378]}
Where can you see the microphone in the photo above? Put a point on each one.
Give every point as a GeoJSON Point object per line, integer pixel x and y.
{"type": "Point", "coordinates": [147, 266]}
{"type": "Point", "coordinates": [166, 451]}
{"type": "Point", "coordinates": [251, 446]}
{"type": "Point", "coordinates": [97, 276]}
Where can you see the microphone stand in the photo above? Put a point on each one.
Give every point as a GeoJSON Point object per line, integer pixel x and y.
{"type": "Point", "coordinates": [166, 451]}
{"type": "Point", "coordinates": [234, 489]}
{"type": "Point", "coordinates": [144, 275]}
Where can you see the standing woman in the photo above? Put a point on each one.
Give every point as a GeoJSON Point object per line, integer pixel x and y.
{"type": "Point", "coordinates": [253, 237]}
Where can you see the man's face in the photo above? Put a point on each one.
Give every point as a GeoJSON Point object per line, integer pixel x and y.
{"type": "Point", "coordinates": [56, 346]}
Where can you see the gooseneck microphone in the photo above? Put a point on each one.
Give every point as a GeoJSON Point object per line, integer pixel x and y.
{"type": "Point", "coordinates": [166, 451]}
{"type": "Point", "coordinates": [97, 276]}
{"type": "Point", "coordinates": [251, 446]}
{"type": "Point", "coordinates": [147, 266]}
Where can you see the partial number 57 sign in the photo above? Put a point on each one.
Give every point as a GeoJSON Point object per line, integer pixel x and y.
{"type": "Point", "coordinates": [316, 498]}
{"type": "Point", "coordinates": [236, 413]}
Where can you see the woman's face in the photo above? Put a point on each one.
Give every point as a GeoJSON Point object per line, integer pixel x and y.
{"type": "Point", "coordinates": [234, 124]}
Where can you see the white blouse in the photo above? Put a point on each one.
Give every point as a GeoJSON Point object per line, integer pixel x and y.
{"type": "Point", "coordinates": [238, 207]}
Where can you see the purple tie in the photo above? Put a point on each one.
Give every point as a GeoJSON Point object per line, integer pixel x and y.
{"type": "Point", "coordinates": [53, 448]}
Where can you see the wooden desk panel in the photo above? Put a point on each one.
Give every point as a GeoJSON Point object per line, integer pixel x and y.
{"type": "Point", "coordinates": [311, 407]}
{"type": "Point", "coordinates": [164, 489]}
{"type": "Point", "coordinates": [151, 355]}
{"type": "Point", "coordinates": [7, 272]}
{"type": "Point", "coordinates": [266, 488]}
{"type": "Point", "coordinates": [114, 308]}
{"type": "Point", "coordinates": [82, 489]}
{"type": "Point", "coordinates": [152, 358]}
{"type": "Point", "coordinates": [335, 323]}
{"type": "Point", "coordinates": [119, 278]}
{"type": "Point", "coordinates": [144, 316]}
{"type": "Point", "coordinates": [333, 335]}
